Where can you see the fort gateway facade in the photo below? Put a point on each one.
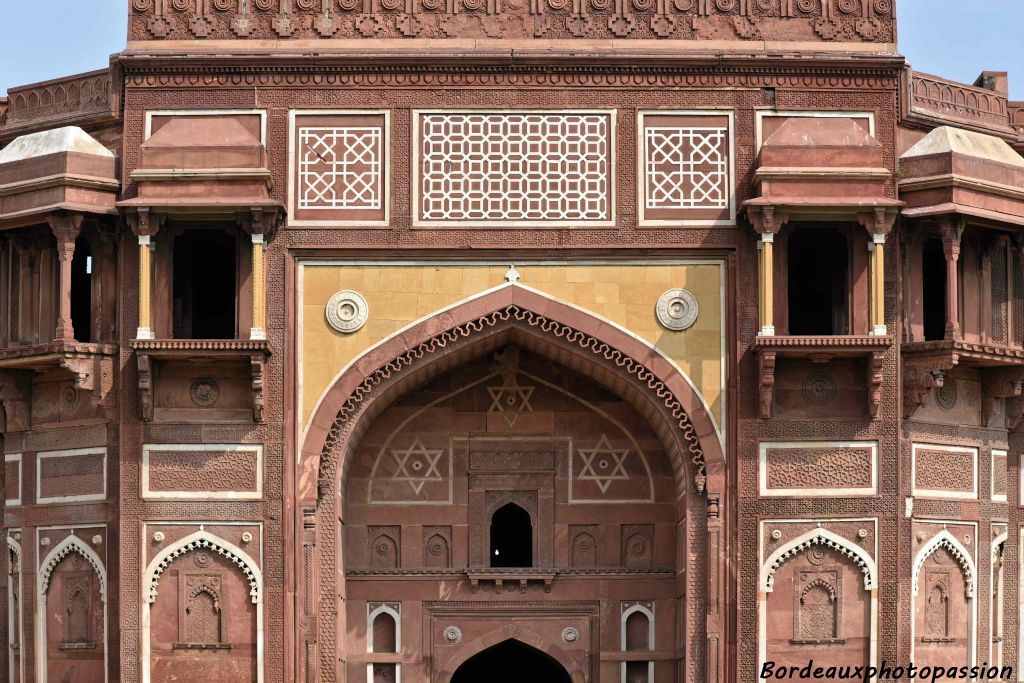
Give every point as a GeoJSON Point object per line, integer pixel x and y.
{"type": "Point", "coordinates": [436, 341]}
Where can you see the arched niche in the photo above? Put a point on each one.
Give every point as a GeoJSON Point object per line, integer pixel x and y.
{"type": "Point", "coordinates": [202, 613]}
{"type": "Point", "coordinates": [998, 606]}
{"type": "Point", "coordinates": [71, 614]}
{"type": "Point", "coordinates": [944, 621]}
{"type": "Point", "coordinates": [818, 600]}
{"type": "Point", "coordinates": [15, 613]}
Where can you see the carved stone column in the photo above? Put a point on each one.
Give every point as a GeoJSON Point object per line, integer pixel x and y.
{"type": "Point", "coordinates": [145, 225]}
{"type": "Point", "coordinates": [952, 231]}
{"type": "Point", "coordinates": [259, 297]}
{"type": "Point", "coordinates": [767, 222]}
{"type": "Point", "coordinates": [262, 226]}
{"type": "Point", "coordinates": [879, 224]}
{"type": "Point", "coordinates": [877, 318]}
{"type": "Point", "coordinates": [66, 228]}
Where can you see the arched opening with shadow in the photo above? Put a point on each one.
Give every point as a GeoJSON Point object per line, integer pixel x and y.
{"type": "Point", "coordinates": [511, 537]}
{"type": "Point", "coordinates": [511, 662]}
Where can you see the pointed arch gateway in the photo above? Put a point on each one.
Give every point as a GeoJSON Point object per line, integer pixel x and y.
{"type": "Point", "coordinates": [580, 340]}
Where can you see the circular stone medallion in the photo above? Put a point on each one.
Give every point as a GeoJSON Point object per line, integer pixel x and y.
{"type": "Point", "coordinates": [204, 392]}
{"type": "Point", "coordinates": [347, 311]}
{"type": "Point", "coordinates": [946, 395]}
{"type": "Point", "coordinates": [677, 309]}
{"type": "Point", "coordinates": [452, 634]}
{"type": "Point", "coordinates": [570, 635]}
{"type": "Point", "coordinates": [819, 389]}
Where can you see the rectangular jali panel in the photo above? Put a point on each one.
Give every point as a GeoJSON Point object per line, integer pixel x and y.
{"type": "Point", "coordinates": [819, 468]}
{"type": "Point", "coordinates": [685, 168]}
{"type": "Point", "coordinates": [12, 479]}
{"type": "Point", "coordinates": [941, 471]}
{"type": "Point", "coordinates": [73, 476]}
{"type": "Point", "coordinates": [202, 471]}
{"type": "Point", "coordinates": [515, 169]}
{"type": "Point", "coordinates": [340, 168]}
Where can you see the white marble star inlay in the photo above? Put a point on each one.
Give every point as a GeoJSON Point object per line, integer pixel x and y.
{"type": "Point", "coordinates": [603, 464]}
{"type": "Point", "coordinates": [417, 465]}
{"type": "Point", "coordinates": [511, 400]}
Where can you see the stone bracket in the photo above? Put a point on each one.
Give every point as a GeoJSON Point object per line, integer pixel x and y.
{"type": "Point", "coordinates": [94, 374]}
{"type": "Point", "coordinates": [1014, 413]}
{"type": "Point", "coordinates": [766, 371]}
{"type": "Point", "coordinates": [16, 401]}
{"type": "Point", "coordinates": [875, 377]}
{"type": "Point", "coordinates": [918, 383]}
{"type": "Point", "coordinates": [998, 384]}
{"type": "Point", "coordinates": [257, 364]}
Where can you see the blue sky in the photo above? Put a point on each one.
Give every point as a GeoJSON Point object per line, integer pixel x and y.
{"type": "Point", "coordinates": [949, 38]}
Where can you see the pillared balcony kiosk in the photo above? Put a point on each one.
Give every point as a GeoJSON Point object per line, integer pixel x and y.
{"type": "Point", "coordinates": [57, 193]}
{"type": "Point", "coordinates": [823, 172]}
{"type": "Point", "coordinates": [958, 182]}
{"type": "Point", "coordinates": [182, 179]}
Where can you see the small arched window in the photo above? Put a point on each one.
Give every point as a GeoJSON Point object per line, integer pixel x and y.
{"type": "Point", "coordinates": [511, 537]}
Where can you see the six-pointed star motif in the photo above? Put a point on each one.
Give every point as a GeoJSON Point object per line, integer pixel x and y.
{"type": "Point", "coordinates": [603, 464]}
{"type": "Point", "coordinates": [417, 465]}
{"type": "Point", "coordinates": [511, 399]}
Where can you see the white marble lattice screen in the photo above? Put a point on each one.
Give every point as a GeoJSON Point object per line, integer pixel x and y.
{"type": "Point", "coordinates": [685, 168]}
{"type": "Point", "coordinates": [339, 168]}
{"type": "Point", "coordinates": [513, 169]}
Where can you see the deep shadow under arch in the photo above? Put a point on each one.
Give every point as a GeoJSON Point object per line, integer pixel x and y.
{"type": "Point", "coordinates": [511, 661]}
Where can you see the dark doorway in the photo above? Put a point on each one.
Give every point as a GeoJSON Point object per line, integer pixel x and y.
{"type": "Point", "coordinates": [204, 285]}
{"type": "Point", "coordinates": [511, 662]}
{"type": "Point", "coordinates": [933, 278]}
{"type": "Point", "coordinates": [81, 290]}
{"type": "Point", "coordinates": [511, 537]}
{"type": "Point", "coordinates": [819, 295]}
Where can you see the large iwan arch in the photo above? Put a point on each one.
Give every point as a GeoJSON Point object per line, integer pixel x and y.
{"type": "Point", "coordinates": [572, 337]}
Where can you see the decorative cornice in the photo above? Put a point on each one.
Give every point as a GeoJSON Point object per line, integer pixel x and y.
{"type": "Point", "coordinates": [643, 572]}
{"type": "Point", "coordinates": [824, 342]}
{"type": "Point", "coordinates": [470, 72]}
{"type": "Point", "coordinates": [953, 180]}
{"type": "Point", "coordinates": [201, 345]}
{"type": "Point", "coordinates": [60, 180]}
{"type": "Point", "coordinates": [958, 351]}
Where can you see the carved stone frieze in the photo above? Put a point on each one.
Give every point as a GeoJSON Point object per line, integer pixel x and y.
{"type": "Point", "coordinates": [869, 21]}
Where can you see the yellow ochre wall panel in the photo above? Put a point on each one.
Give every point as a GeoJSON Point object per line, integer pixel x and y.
{"type": "Point", "coordinates": [399, 294]}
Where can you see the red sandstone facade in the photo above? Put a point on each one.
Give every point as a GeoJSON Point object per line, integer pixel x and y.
{"type": "Point", "coordinates": [444, 340]}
